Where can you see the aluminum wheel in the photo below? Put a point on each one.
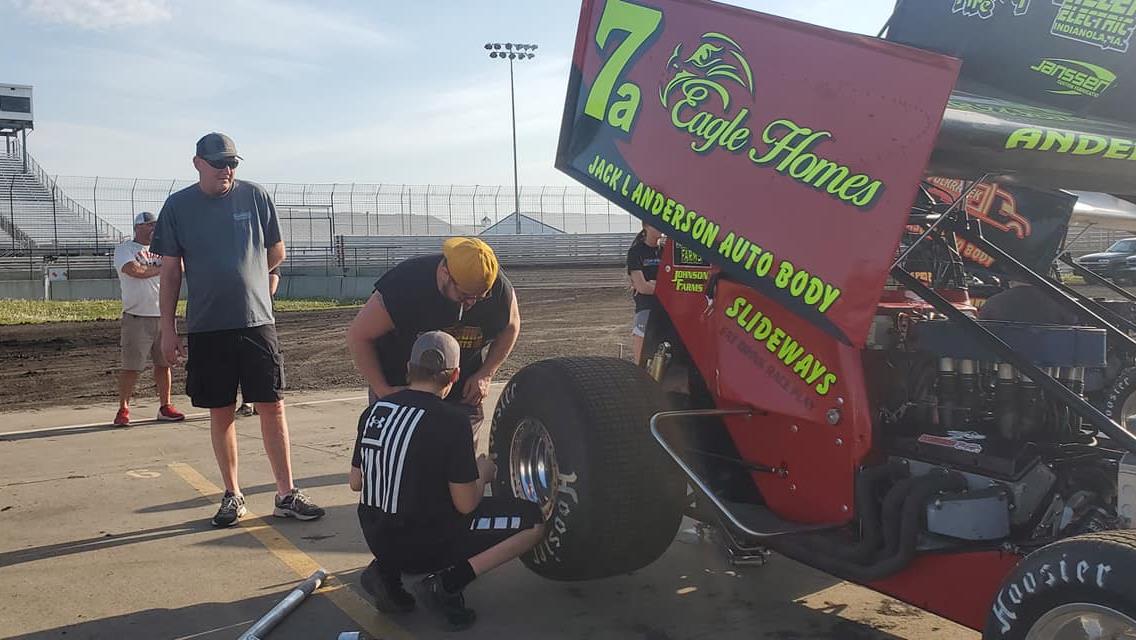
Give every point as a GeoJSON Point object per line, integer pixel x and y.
{"type": "Point", "coordinates": [1083, 621]}
{"type": "Point", "coordinates": [532, 464]}
{"type": "Point", "coordinates": [1128, 412]}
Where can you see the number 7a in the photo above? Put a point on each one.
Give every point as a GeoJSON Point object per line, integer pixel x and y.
{"type": "Point", "coordinates": [639, 23]}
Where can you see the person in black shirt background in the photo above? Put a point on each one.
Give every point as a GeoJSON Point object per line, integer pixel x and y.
{"type": "Point", "coordinates": [421, 506]}
{"type": "Point", "coordinates": [643, 268]}
{"type": "Point", "coordinates": [460, 292]}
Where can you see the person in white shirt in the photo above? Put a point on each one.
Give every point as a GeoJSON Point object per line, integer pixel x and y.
{"type": "Point", "coordinates": [138, 274]}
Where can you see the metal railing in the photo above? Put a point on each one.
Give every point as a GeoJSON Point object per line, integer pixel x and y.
{"type": "Point", "coordinates": [18, 241]}
{"type": "Point", "coordinates": [384, 209]}
{"type": "Point", "coordinates": [59, 197]}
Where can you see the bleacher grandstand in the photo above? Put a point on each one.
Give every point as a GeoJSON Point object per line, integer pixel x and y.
{"type": "Point", "coordinates": [39, 218]}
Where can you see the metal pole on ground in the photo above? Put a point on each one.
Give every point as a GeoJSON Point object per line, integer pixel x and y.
{"type": "Point", "coordinates": [286, 606]}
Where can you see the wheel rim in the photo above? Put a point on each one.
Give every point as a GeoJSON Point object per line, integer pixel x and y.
{"type": "Point", "coordinates": [532, 464]}
{"type": "Point", "coordinates": [1128, 411]}
{"type": "Point", "coordinates": [1083, 621]}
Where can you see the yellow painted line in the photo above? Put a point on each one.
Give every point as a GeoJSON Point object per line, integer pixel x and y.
{"type": "Point", "coordinates": [188, 416]}
{"type": "Point", "coordinates": [348, 601]}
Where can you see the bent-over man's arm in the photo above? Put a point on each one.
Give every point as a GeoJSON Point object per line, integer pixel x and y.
{"type": "Point", "coordinates": [371, 323]}
{"type": "Point", "coordinates": [477, 387]}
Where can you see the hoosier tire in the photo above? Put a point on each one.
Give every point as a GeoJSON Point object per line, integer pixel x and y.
{"type": "Point", "coordinates": [1120, 402]}
{"type": "Point", "coordinates": [1076, 584]}
{"type": "Point", "coordinates": [574, 435]}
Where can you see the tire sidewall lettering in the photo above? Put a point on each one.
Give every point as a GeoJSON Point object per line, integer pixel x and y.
{"type": "Point", "coordinates": [566, 499]}
{"type": "Point", "coordinates": [1067, 572]}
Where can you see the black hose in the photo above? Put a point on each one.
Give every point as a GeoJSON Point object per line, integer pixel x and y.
{"type": "Point", "coordinates": [919, 491]}
{"type": "Point", "coordinates": [868, 508]}
{"type": "Point", "coordinates": [891, 510]}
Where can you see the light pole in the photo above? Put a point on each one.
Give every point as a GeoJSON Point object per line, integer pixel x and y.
{"type": "Point", "coordinates": [512, 51]}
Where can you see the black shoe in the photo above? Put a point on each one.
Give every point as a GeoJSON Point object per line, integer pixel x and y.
{"type": "Point", "coordinates": [297, 505]}
{"type": "Point", "coordinates": [450, 607]}
{"type": "Point", "coordinates": [232, 508]}
{"type": "Point", "coordinates": [386, 598]}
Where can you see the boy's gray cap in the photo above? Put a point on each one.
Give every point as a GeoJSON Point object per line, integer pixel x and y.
{"type": "Point", "coordinates": [217, 146]}
{"type": "Point", "coordinates": [435, 352]}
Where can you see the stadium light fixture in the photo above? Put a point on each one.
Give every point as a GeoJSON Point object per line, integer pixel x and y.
{"type": "Point", "coordinates": [513, 51]}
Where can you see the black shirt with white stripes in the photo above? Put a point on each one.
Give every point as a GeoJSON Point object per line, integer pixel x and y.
{"type": "Point", "coordinates": [410, 446]}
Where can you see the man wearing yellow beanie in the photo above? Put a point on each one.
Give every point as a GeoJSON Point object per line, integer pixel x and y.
{"type": "Point", "coordinates": [460, 291]}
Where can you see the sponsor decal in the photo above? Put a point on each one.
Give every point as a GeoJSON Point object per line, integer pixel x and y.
{"type": "Point", "coordinates": [791, 354]}
{"type": "Point", "coordinates": [950, 443]}
{"type": "Point", "coordinates": [1103, 23]}
{"type": "Point", "coordinates": [1071, 143]}
{"type": "Point", "coordinates": [1074, 77]}
{"type": "Point", "coordinates": [690, 280]}
{"type": "Point", "coordinates": [985, 9]}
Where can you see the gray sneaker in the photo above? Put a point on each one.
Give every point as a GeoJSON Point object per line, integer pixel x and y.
{"type": "Point", "coordinates": [232, 508]}
{"type": "Point", "coordinates": [246, 410]}
{"type": "Point", "coordinates": [297, 505]}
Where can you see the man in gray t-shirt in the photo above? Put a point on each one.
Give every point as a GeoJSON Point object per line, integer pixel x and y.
{"type": "Point", "coordinates": [223, 235]}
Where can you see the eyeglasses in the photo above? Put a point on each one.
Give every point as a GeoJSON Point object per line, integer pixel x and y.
{"type": "Point", "coordinates": [463, 296]}
{"type": "Point", "coordinates": [222, 164]}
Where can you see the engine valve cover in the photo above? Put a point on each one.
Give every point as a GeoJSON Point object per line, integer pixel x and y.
{"type": "Point", "coordinates": [1044, 345]}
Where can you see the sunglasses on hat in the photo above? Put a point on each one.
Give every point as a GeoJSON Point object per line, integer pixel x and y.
{"type": "Point", "coordinates": [229, 163]}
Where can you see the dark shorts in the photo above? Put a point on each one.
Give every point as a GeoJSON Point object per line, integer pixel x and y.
{"type": "Point", "coordinates": [415, 551]}
{"type": "Point", "coordinates": [221, 361]}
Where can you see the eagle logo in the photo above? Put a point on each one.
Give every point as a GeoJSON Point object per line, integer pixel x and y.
{"type": "Point", "coordinates": [716, 61]}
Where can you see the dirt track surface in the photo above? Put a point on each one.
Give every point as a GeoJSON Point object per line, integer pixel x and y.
{"type": "Point", "coordinates": [74, 363]}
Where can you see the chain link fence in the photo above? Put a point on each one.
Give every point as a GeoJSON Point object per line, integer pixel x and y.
{"type": "Point", "coordinates": [380, 209]}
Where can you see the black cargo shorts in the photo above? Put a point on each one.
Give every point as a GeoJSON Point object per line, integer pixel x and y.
{"type": "Point", "coordinates": [221, 361]}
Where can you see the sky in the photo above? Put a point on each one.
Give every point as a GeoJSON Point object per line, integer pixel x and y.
{"type": "Point", "coordinates": [330, 91]}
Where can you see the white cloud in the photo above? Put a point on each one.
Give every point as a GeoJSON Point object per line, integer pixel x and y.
{"type": "Point", "coordinates": [279, 28]}
{"type": "Point", "coordinates": [97, 14]}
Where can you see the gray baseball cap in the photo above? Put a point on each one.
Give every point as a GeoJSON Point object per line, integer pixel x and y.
{"type": "Point", "coordinates": [217, 146]}
{"type": "Point", "coordinates": [435, 352]}
{"type": "Point", "coordinates": [145, 217]}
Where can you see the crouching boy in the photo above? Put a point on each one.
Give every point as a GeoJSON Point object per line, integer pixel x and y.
{"type": "Point", "coordinates": [421, 506]}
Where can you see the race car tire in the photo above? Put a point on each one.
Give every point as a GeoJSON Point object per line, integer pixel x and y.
{"type": "Point", "coordinates": [1087, 575]}
{"type": "Point", "coordinates": [1123, 389]}
{"type": "Point", "coordinates": [573, 434]}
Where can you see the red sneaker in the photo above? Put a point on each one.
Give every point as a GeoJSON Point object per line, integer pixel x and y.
{"type": "Point", "coordinates": [168, 413]}
{"type": "Point", "coordinates": [122, 418]}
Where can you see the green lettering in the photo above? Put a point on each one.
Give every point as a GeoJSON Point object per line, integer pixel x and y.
{"type": "Point", "coordinates": [764, 328]}
{"type": "Point", "coordinates": [803, 366]}
{"type": "Point", "coordinates": [790, 351]}
{"type": "Point", "coordinates": [622, 114]}
{"type": "Point", "coordinates": [1025, 138]}
{"type": "Point", "coordinates": [727, 246]}
{"type": "Point", "coordinates": [774, 340]}
{"type": "Point", "coordinates": [1090, 145]}
{"type": "Point", "coordinates": [784, 273]}
{"type": "Point", "coordinates": [733, 310]}
{"type": "Point", "coordinates": [1064, 140]}
{"type": "Point", "coordinates": [1118, 149]}
{"type": "Point", "coordinates": [639, 23]}
{"type": "Point", "coordinates": [823, 387]}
